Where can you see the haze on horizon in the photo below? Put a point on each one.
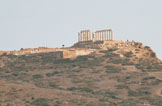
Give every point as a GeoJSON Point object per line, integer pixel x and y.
{"type": "Point", "coordinates": [51, 23]}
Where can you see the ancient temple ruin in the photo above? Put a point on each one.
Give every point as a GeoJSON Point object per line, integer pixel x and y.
{"type": "Point", "coordinates": [100, 35]}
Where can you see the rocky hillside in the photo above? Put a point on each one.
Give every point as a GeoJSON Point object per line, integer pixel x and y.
{"type": "Point", "coordinates": [110, 76]}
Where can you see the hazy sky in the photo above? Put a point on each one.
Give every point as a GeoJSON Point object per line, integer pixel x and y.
{"type": "Point", "coordinates": [51, 23]}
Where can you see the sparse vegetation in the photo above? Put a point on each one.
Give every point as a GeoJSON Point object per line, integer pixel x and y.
{"type": "Point", "coordinates": [52, 74]}
{"type": "Point", "coordinates": [112, 69]}
{"type": "Point", "coordinates": [122, 86]}
{"type": "Point", "coordinates": [53, 85]}
{"type": "Point", "coordinates": [40, 102]}
{"type": "Point", "coordinates": [147, 47]}
{"type": "Point", "coordinates": [128, 54]}
{"type": "Point", "coordinates": [15, 74]}
{"type": "Point", "coordinates": [148, 78]}
{"type": "Point", "coordinates": [80, 89]}
{"type": "Point", "coordinates": [138, 93]}
{"type": "Point", "coordinates": [37, 76]}
{"type": "Point", "coordinates": [153, 54]}
{"type": "Point", "coordinates": [62, 61]}
{"type": "Point", "coordinates": [103, 78]}
{"type": "Point", "coordinates": [155, 101]}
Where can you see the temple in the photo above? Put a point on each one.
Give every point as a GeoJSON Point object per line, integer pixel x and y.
{"type": "Point", "coordinates": [100, 35]}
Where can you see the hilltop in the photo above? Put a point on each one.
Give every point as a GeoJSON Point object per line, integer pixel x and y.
{"type": "Point", "coordinates": [88, 47]}
{"type": "Point", "coordinates": [90, 73]}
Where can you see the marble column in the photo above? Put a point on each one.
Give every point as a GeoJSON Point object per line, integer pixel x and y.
{"type": "Point", "coordinates": [78, 37]}
{"type": "Point", "coordinates": [111, 35]}
{"type": "Point", "coordinates": [87, 36]}
{"type": "Point", "coordinates": [100, 36]}
{"type": "Point", "coordinates": [93, 36]}
{"type": "Point", "coordinates": [84, 36]}
{"type": "Point", "coordinates": [97, 36]}
{"type": "Point", "coordinates": [102, 33]}
{"type": "Point", "coordinates": [90, 38]}
{"type": "Point", "coordinates": [106, 35]}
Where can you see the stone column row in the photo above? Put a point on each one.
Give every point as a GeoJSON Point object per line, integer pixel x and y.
{"type": "Point", "coordinates": [103, 35]}
{"type": "Point", "coordinates": [84, 36]}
